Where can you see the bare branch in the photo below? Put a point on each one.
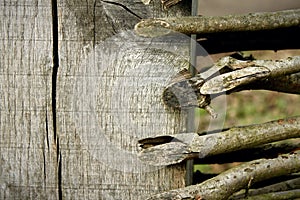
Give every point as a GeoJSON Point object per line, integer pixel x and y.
{"type": "Point", "coordinates": [190, 145]}
{"type": "Point", "coordinates": [282, 186]}
{"type": "Point", "coordinates": [246, 72]}
{"type": "Point", "coordinates": [271, 150]}
{"type": "Point", "coordinates": [289, 194]}
{"type": "Point", "coordinates": [216, 24]}
{"type": "Point", "coordinates": [287, 84]}
{"type": "Point", "coordinates": [232, 75]}
{"type": "Point", "coordinates": [235, 179]}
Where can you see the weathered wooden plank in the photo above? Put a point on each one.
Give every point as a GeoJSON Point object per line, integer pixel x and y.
{"type": "Point", "coordinates": [28, 159]}
{"type": "Point", "coordinates": [108, 96]}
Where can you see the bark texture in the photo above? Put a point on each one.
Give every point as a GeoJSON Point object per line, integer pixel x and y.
{"type": "Point", "coordinates": [225, 184]}
{"type": "Point", "coordinates": [219, 24]}
{"type": "Point", "coordinates": [174, 149]}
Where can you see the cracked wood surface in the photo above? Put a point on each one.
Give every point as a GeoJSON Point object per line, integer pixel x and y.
{"type": "Point", "coordinates": [28, 162]}
{"type": "Point", "coordinates": [108, 96]}
{"type": "Point", "coordinates": [61, 136]}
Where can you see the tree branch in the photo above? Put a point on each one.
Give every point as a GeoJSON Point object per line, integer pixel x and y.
{"type": "Point", "coordinates": [255, 72]}
{"type": "Point", "coordinates": [287, 84]}
{"type": "Point", "coordinates": [235, 179]}
{"type": "Point", "coordinates": [271, 150]}
{"type": "Point", "coordinates": [232, 75]}
{"type": "Point", "coordinates": [291, 184]}
{"type": "Point", "coordinates": [289, 194]}
{"type": "Point", "coordinates": [180, 147]}
{"type": "Point", "coordinates": [217, 24]}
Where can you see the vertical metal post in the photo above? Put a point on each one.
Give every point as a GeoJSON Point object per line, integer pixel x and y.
{"type": "Point", "coordinates": [191, 112]}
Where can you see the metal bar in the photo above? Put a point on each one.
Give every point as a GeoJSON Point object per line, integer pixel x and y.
{"type": "Point", "coordinates": [191, 111]}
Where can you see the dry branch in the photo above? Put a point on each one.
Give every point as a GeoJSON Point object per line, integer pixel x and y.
{"type": "Point", "coordinates": [292, 184]}
{"type": "Point", "coordinates": [217, 24]}
{"type": "Point", "coordinates": [246, 72]}
{"type": "Point", "coordinates": [271, 150]}
{"type": "Point", "coordinates": [289, 194]}
{"type": "Point", "coordinates": [232, 75]}
{"type": "Point", "coordinates": [235, 179]}
{"type": "Point", "coordinates": [176, 148]}
{"type": "Point", "coordinates": [287, 84]}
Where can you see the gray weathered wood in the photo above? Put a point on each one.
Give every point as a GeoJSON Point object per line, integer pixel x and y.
{"type": "Point", "coordinates": [108, 96]}
{"type": "Point", "coordinates": [28, 162]}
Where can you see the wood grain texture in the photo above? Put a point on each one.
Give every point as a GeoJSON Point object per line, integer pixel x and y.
{"type": "Point", "coordinates": [28, 162]}
{"type": "Point", "coordinates": [109, 91]}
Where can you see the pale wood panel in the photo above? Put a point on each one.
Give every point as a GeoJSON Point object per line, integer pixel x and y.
{"type": "Point", "coordinates": [109, 96]}
{"type": "Point", "coordinates": [28, 167]}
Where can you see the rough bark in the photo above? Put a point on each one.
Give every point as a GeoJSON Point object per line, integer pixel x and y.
{"type": "Point", "coordinates": [292, 185]}
{"type": "Point", "coordinates": [271, 150]}
{"type": "Point", "coordinates": [218, 24]}
{"type": "Point", "coordinates": [174, 149]}
{"type": "Point", "coordinates": [282, 195]}
{"type": "Point", "coordinates": [250, 74]}
{"type": "Point", "coordinates": [235, 179]}
{"type": "Point", "coordinates": [230, 75]}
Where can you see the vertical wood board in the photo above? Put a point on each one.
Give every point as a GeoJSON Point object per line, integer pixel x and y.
{"type": "Point", "coordinates": [109, 91]}
{"type": "Point", "coordinates": [27, 150]}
